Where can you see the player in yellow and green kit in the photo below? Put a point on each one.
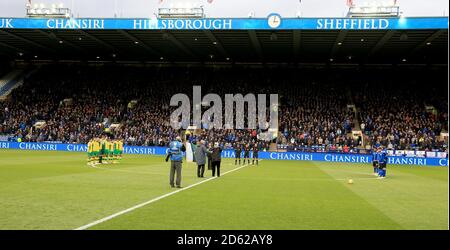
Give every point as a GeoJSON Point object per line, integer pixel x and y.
{"type": "Point", "coordinates": [89, 151]}
{"type": "Point", "coordinates": [109, 147]}
{"type": "Point", "coordinates": [120, 146]}
{"type": "Point", "coordinates": [115, 151]}
{"type": "Point", "coordinates": [106, 143]}
{"type": "Point", "coordinates": [95, 148]}
{"type": "Point", "coordinates": [102, 150]}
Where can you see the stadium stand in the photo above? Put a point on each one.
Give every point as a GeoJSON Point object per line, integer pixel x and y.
{"type": "Point", "coordinates": [73, 103]}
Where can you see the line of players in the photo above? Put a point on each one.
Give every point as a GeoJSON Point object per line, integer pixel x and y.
{"type": "Point", "coordinates": [379, 161]}
{"type": "Point", "coordinates": [104, 150]}
{"type": "Point", "coordinates": [238, 148]}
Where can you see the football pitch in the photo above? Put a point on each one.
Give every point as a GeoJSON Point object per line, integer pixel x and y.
{"type": "Point", "coordinates": [57, 190]}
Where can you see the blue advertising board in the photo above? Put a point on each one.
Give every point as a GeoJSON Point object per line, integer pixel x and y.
{"type": "Point", "coordinates": [227, 23]}
{"type": "Point", "coordinates": [294, 156]}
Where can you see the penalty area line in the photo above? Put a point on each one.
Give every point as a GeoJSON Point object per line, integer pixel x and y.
{"type": "Point", "coordinates": [151, 201]}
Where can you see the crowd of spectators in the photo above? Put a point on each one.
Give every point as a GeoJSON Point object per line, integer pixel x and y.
{"type": "Point", "coordinates": [405, 111]}
{"type": "Point", "coordinates": [316, 115]}
{"type": "Point", "coordinates": [399, 121]}
{"type": "Point", "coordinates": [78, 103]}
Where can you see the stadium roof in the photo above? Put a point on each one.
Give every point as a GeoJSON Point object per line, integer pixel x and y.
{"type": "Point", "coordinates": [421, 43]}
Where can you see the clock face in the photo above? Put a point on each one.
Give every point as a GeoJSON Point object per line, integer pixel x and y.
{"type": "Point", "coordinates": [274, 21]}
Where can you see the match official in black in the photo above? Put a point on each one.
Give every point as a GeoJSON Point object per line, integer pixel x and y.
{"type": "Point", "coordinates": [200, 157]}
{"type": "Point", "coordinates": [237, 153]}
{"type": "Point", "coordinates": [255, 154]}
{"type": "Point", "coordinates": [216, 159]}
{"type": "Point", "coordinates": [247, 153]}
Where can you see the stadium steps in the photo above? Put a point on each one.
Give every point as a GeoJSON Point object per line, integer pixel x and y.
{"type": "Point", "coordinates": [11, 81]}
{"type": "Point", "coordinates": [351, 104]}
{"type": "Point", "coordinates": [10, 76]}
{"type": "Point", "coordinates": [356, 123]}
{"type": "Point", "coordinates": [273, 147]}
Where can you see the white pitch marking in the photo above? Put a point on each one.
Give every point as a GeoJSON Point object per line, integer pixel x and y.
{"type": "Point", "coordinates": [126, 171]}
{"type": "Point", "coordinates": [368, 178]}
{"type": "Point", "coordinates": [150, 201]}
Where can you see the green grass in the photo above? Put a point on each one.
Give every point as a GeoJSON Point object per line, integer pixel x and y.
{"type": "Point", "coordinates": [57, 190]}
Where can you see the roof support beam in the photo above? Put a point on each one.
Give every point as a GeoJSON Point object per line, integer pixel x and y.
{"type": "Point", "coordinates": [15, 49]}
{"type": "Point", "coordinates": [53, 36]}
{"type": "Point", "coordinates": [139, 42]}
{"type": "Point", "coordinates": [105, 44]}
{"type": "Point", "coordinates": [28, 41]}
{"type": "Point", "coordinates": [180, 45]}
{"type": "Point", "coordinates": [6, 53]}
{"type": "Point", "coordinates": [255, 42]}
{"type": "Point", "coordinates": [297, 35]}
{"type": "Point", "coordinates": [217, 43]}
{"type": "Point", "coordinates": [338, 43]}
{"type": "Point", "coordinates": [428, 40]}
{"type": "Point", "coordinates": [388, 35]}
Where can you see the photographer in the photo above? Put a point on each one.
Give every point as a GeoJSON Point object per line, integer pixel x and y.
{"type": "Point", "coordinates": [176, 149]}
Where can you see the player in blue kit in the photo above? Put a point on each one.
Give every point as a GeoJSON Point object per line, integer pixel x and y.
{"type": "Point", "coordinates": [375, 163]}
{"type": "Point", "coordinates": [382, 159]}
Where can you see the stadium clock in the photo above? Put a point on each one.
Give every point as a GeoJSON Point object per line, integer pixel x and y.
{"type": "Point", "coordinates": [274, 20]}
